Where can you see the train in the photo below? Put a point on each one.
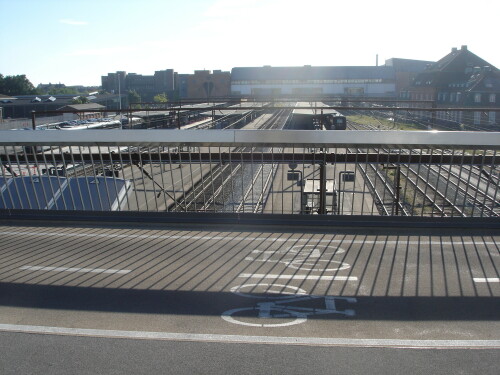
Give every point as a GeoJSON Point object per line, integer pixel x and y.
{"type": "Point", "coordinates": [90, 124]}
{"type": "Point", "coordinates": [323, 117]}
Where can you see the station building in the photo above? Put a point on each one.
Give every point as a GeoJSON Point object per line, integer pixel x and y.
{"type": "Point", "coordinates": [406, 70]}
{"type": "Point", "coordinates": [21, 106]}
{"type": "Point", "coordinates": [459, 79]}
{"type": "Point", "coordinates": [364, 81]}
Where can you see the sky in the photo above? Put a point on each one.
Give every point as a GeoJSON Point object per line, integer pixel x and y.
{"type": "Point", "coordinates": [75, 42]}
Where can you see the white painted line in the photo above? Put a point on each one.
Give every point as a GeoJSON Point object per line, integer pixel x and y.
{"type": "Point", "coordinates": [200, 337]}
{"type": "Point", "coordinates": [486, 279]}
{"type": "Point", "coordinates": [67, 269]}
{"type": "Point", "coordinates": [242, 238]}
{"type": "Point", "coordinates": [297, 277]}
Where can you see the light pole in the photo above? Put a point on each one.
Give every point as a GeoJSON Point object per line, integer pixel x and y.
{"type": "Point", "coordinates": [120, 100]}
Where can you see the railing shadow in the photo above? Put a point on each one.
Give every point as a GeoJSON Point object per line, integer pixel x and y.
{"type": "Point", "coordinates": [400, 275]}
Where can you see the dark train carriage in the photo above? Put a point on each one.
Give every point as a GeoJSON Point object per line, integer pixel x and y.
{"type": "Point", "coordinates": [335, 122]}
{"type": "Point", "coordinates": [322, 118]}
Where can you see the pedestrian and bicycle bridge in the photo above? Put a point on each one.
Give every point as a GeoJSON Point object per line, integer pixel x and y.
{"type": "Point", "coordinates": [318, 239]}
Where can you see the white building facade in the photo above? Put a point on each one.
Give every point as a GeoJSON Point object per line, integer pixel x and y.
{"type": "Point", "coordinates": [308, 80]}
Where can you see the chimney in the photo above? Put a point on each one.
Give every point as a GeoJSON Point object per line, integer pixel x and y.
{"type": "Point", "coordinates": [454, 49]}
{"type": "Point", "coordinates": [376, 60]}
{"type": "Point", "coordinates": [464, 48]}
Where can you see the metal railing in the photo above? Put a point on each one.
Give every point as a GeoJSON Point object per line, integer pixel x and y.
{"type": "Point", "coordinates": [369, 173]}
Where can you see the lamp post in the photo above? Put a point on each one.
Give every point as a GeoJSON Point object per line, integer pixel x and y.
{"type": "Point", "coordinates": [120, 100]}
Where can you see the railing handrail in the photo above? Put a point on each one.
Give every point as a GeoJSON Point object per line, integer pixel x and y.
{"type": "Point", "coordinates": [288, 138]}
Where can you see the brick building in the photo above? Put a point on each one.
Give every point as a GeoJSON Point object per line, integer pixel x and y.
{"type": "Point", "coordinates": [405, 71]}
{"type": "Point", "coordinates": [204, 84]}
{"type": "Point", "coordinates": [460, 79]}
{"type": "Point", "coordinates": [147, 86]}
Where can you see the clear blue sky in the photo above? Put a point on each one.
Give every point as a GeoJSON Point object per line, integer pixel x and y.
{"type": "Point", "coordinates": [77, 41]}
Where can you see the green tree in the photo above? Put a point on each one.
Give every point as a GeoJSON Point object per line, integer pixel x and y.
{"type": "Point", "coordinates": [160, 98]}
{"type": "Point", "coordinates": [62, 91]}
{"type": "Point", "coordinates": [80, 100]}
{"type": "Point", "coordinates": [133, 98]}
{"type": "Point", "coordinates": [16, 85]}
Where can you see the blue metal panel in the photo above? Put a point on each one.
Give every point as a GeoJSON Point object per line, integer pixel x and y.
{"type": "Point", "coordinates": [37, 192]}
{"type": "Point", "coordinates": [53, 193]}
{"type": "Point", "coordinates": [94, 193]}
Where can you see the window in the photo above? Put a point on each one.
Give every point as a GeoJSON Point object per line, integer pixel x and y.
{"type": "Point", "coordinates": [491, 117]}
{"type": "Point", "coordinates": [477, 118]}
{"type": "Point", "coordinates": [492, 98]}
{"type": "Point", "coordinates": [477, 98]}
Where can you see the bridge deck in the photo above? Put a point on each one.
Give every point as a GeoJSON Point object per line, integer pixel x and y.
{"type": "Point", "coordinates": [419, 286]}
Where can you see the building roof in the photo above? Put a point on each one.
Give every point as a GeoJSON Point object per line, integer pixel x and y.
{"type": "Point", "coordinates": [408, 65]}
{"type": "Point", "coordinates": [2, 97]}
{"type": "Point", "coordinates": [82, 107]}
{"type": "Point", "coordinates": [308, 72]}
{"type": "Point", "coordinates": [34, 100]}
{"type": "Point", "coordinates": [460, 69]}
{"type": "Point", "coordinates": [487, 80]}
{"type": "Point", "coordinates": [457, 60]}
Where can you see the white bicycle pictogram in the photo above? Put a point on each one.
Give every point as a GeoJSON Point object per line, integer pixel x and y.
{"type": "Point", "coordinates": [304, 257]}
{"type": "Point", "coordinates": [287, 309]}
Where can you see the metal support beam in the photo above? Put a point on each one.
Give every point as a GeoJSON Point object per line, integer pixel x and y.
{"type": "Point", "coordinates": [269, 157]}
{"type": "Point", "coordinates": [247, 108]}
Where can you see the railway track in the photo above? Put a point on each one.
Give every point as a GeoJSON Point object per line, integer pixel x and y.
{"type": "Point", "coordinates": [233, 187]}
{"type": "Point", "coordinates": [434, 190]}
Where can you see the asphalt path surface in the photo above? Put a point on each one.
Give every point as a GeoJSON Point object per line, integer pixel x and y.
{"type": "Point", "coordinates": [80, 298]}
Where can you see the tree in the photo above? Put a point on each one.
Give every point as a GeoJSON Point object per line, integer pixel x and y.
{"type": "Point", "coordinates": [134, 97]}
{"type": "Point", "coordinates": [16, 85]}
{"type": "Point", "coordinates": [55, 90]}
{"type": "Point", "coordinates": [80, 100]}
{"type": "Point", "coordinates": [160, 98]}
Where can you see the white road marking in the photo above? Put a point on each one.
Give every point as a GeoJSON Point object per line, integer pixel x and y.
{"type": "Point", "coordinates": [67, 269]}
{"type": "Point", "coordinates": [200, 337]}
{"type": "Point", "coordinates": [242, 238]}
{"type": "Point", "coordinates": [297, 277]}
{"type": "Point", "coordinates": [283, 291]}
{"type": "Point", "coordinates": [486, 279]}
{"type": "Point", "coordinates": [292, 318]}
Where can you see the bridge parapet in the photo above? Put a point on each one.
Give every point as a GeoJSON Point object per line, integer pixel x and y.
{"type": "Point", "coordinates": [424, 174]}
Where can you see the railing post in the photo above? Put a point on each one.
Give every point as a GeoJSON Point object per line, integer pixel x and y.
{"type": "Point", "coordinates": [33, 120]}
{"type": "Point", "coordinates": [322, 189]}
{"type": "Point", "coordinates": [398, 187]}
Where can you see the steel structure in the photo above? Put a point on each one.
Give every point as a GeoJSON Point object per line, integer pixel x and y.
{"type": "Point", "coordinates": [355, 173]}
